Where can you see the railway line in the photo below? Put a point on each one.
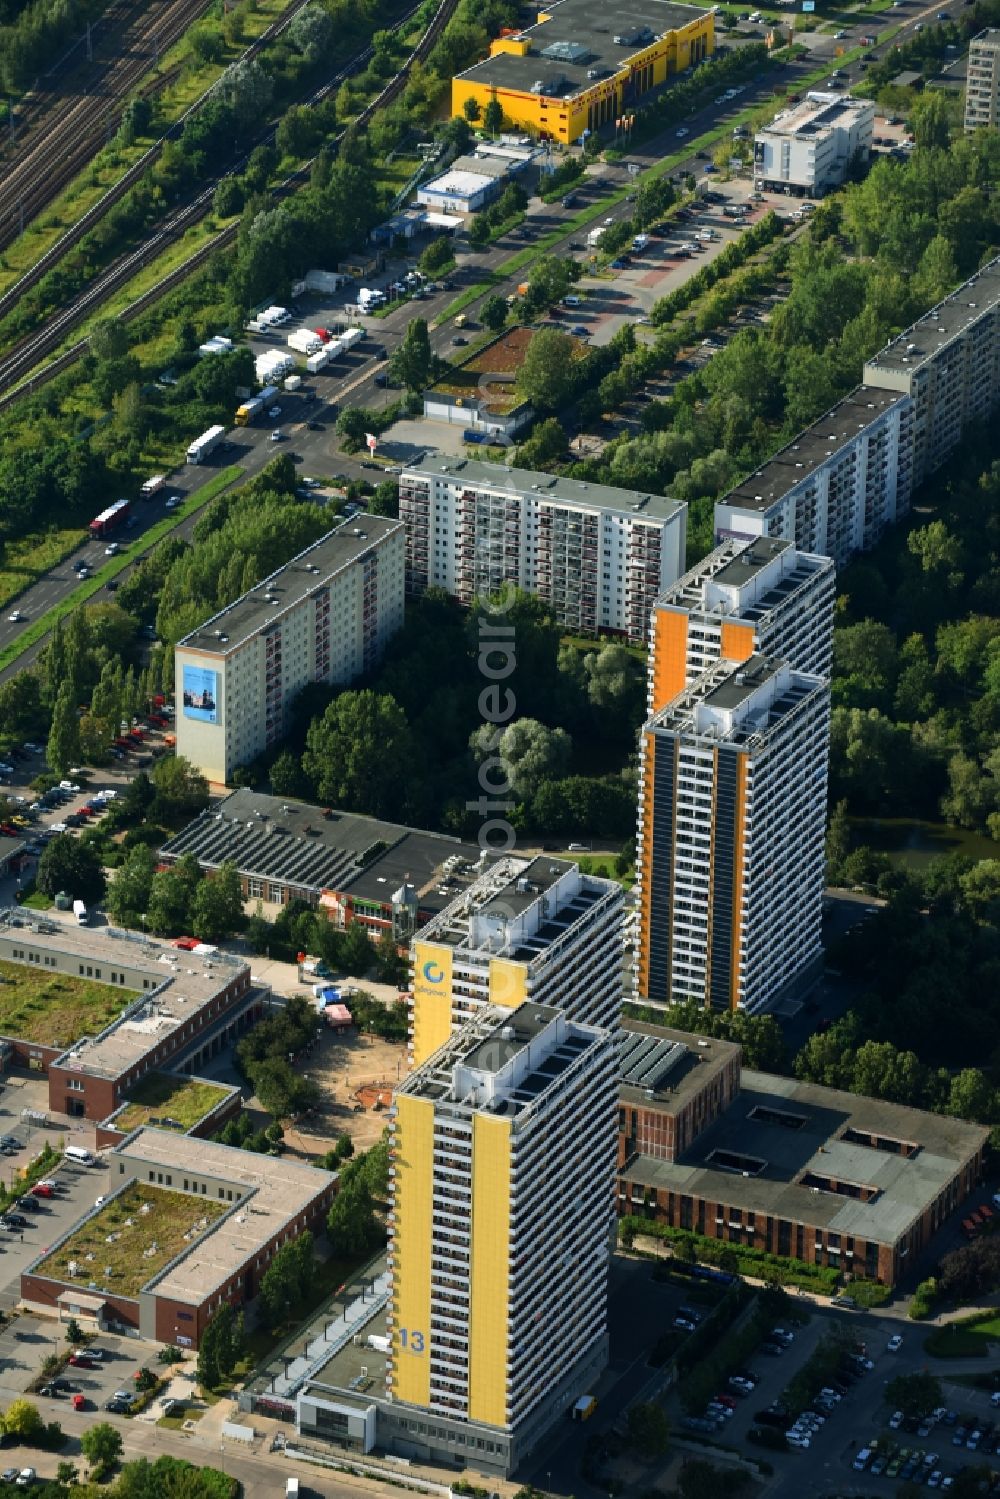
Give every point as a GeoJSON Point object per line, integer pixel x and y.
{"type": "Point", "coordinates": [128, 179]}
{"type": "Point", "coordinates": [67, 132]}
{"type": "Point", "coordinates": [23, 358]}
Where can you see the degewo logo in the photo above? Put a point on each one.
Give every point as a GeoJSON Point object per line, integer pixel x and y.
{"type": "Point", "coordinates": [433, 972]}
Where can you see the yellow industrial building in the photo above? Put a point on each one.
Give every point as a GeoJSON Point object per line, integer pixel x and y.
{"type": "Point", "coordinates": [580, 66]}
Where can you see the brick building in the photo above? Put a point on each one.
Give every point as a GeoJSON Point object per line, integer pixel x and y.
{"type": "Point", "coordinates": [179, 1009]}
{"type": "Point", "coordinates": [258, 1203]}
{"type": "Point", "coordinates": [386, 876]}
{"type": "Point", "coordinates": [798, 1170]}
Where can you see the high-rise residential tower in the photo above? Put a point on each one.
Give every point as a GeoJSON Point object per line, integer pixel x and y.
{"type": "Point", "coordinates": [529, 928]}
{"type": "Point", "coordinates": [732, 815]}
{"type": "Point", "coordinates": [746, 597]}
{"type": "Point", "coordinates": [502, 1155]}
{"type": "Point", "coordinates": [982, 81]}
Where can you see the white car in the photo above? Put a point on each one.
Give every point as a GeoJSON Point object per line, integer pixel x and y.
{"type": "Point", "coordinates": [58, 827]}
{"type": "Point", "coordinates": [16, 618]}
{"type": "Point", "coordinates": [25, 1478]}
{"type": "Point", "coordinates": [895, 1420]}
{"type": "Point", "coordinates": [682, 132]}
{"type": "Point", "coordinates": [111, 550]}
{"type": "Point", "coordinates": [276, 435]}
{"type": "Point", "coordinates": [274, 413]}
{"type": "Point", "coordinates": [172, 501]}
{"type": "Point", "coordinates": [895, 1343]}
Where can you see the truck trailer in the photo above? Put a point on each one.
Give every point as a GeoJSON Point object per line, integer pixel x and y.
{"type": "Point", "coordinates": [153, 485]}
{"type": "Point", "coordinates": [108, 520]}
{"type": "Point", "coordinates": [251, 409]}
{"type": "Point", "coordinates": [205, 445]}
{"type": "Point", "coordinates": [304, 341]}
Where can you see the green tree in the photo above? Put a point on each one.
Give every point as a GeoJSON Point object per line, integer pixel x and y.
{"type": "Point", "coordinates": [359, 754]}
{"type": "Point", "coordinates": [471, 110]}
{"type": "Point", "coordinates": [529, 753]}
{"type": "Point", "coordinates": [493, 117]}
{"type": "Point", "coordinates": [63, 748]}
{"type": "Point", "coordinates": [972, 1096]}
{"type": "Point", "coordinates": [351, 1223]}
{"type": "Point", "coordinates": [281, 1090]}
{"type": "Point", "coordinates": [546, 376]}
{"type": "Point", "coordinates": [217, 908]}
{"type": "Point", "coordinates": [493, 313]}
{"type": "Point", "coordinates": [413, 361]}
{"type": "Point", "coordinates": [128, 897]}
{"type": "Point", "coordinates": [66, 1473]}
{"type": "Point", "coordinates": [23, 1421]}
{"type": "Point", "coordinates": [70, 865]}
{"type": "Point", "coordinates": [914, 1394]}
{"type": "Point", "coordinates": [648, 1430]}
{"type": "Point", "coordinates": [437, 255]}
{"type": "Point", "coordinates": [74, 1332]}
{"type": "Point", "coordinates": [181, 791]}
{"type": "Point", "coordinates": [287, 778]}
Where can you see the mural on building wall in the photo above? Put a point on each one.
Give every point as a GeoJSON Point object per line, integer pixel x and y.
{"type": "Point", "coordinates": [201, 694]}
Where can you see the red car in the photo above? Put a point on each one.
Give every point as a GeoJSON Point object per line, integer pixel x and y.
{"type": "Point", "coordinates": [79, 1402]}
{"type": "Point", "coordinates": [41, 1190]}
{"type": "Point", "coordinates": [81, 1361]}
{"type": "Point", "coordinates": [186, 944]}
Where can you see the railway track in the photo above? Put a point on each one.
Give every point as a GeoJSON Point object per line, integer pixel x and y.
{"type": "Point", "coordinates": [23, 358]}
{"type": "Point", "coordinates": [93, 215]}
{"type": "Point", "coordinates": [69, 132]}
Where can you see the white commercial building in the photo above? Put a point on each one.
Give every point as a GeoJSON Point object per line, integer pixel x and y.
{"type": "Point", "coordinates": [326, 616]}
{"type": "Point", "coordinates": [837, 486]}
{"type": "Point", "coordinates": [982, 82]}
{"type": "Point", "coordinates": [745, 598]}
{"type": "Point", "coordinates": [732, 822]}
{"type": "Point", "coordinates": [502, 1155]}
{"type": "Point", "coordinates": [810, 147]}
{"type": "Point", "coordinates": [528, 928]}
{"type": "Point", "coordinates": [597, 555]}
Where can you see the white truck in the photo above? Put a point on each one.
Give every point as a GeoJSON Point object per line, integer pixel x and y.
{"type": "Point", "coordinates": [205, 445]}
{"type": "Point", "coordinates": [595, 236]}
{"type": "Point", "coordinates": [304, 341]}
{"type": "Point", "coordinates": [80, 912]}
{"type": "Point", "coordinates": [272, 367]}
{"type": "Point", "coordinates": [153, 485]}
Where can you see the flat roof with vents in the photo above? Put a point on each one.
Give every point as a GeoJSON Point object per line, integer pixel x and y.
{"type": "Point", "coordinates": [912, 348]}
{"type": "Point", "coordinates": [471, 473]}
{"type": "Point", "coordinates": [814, 447]}
{"type": "Point", "coordinates": [307, 573]}
{"type": "Point", "coordinates": [293, 843]}
{"type": "Point", "coordinates": [579, 37]}
{"type": "Point", "coordinates": [664, 1069]}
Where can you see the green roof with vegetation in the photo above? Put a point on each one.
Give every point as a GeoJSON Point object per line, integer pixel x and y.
{"type": "Point", "coordinates": [55, 1009]}
{"type": "Point", "coordinates": [163, 1095]}
{"type": "Point", "coordinates": [131, 1239]}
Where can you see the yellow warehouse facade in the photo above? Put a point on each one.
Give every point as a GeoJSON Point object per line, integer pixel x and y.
{"type": "Point", "coordinates": [580, 67]}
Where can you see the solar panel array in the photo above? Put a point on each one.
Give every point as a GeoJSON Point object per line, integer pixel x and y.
{"type": "Point", "coordinates": [262, 847]}
{"type": "Point", "coordinates": [646, 1061]}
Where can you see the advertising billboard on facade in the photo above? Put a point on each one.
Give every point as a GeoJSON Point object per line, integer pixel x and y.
{"type": "Point", "coordinates": [201, 694]}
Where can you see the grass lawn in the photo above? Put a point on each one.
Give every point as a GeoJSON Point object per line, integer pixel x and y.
{"type": "Point", "coordinates": [35, 899]}
{"type": "Point", "coordinates": [135, 1236]}
{"type": "Point", "coordinates": [180, 1098]}
{"type": "Point", "coordinates": [970, 1338]}
{"type": "Point", "coordinates": [53, 1009]}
